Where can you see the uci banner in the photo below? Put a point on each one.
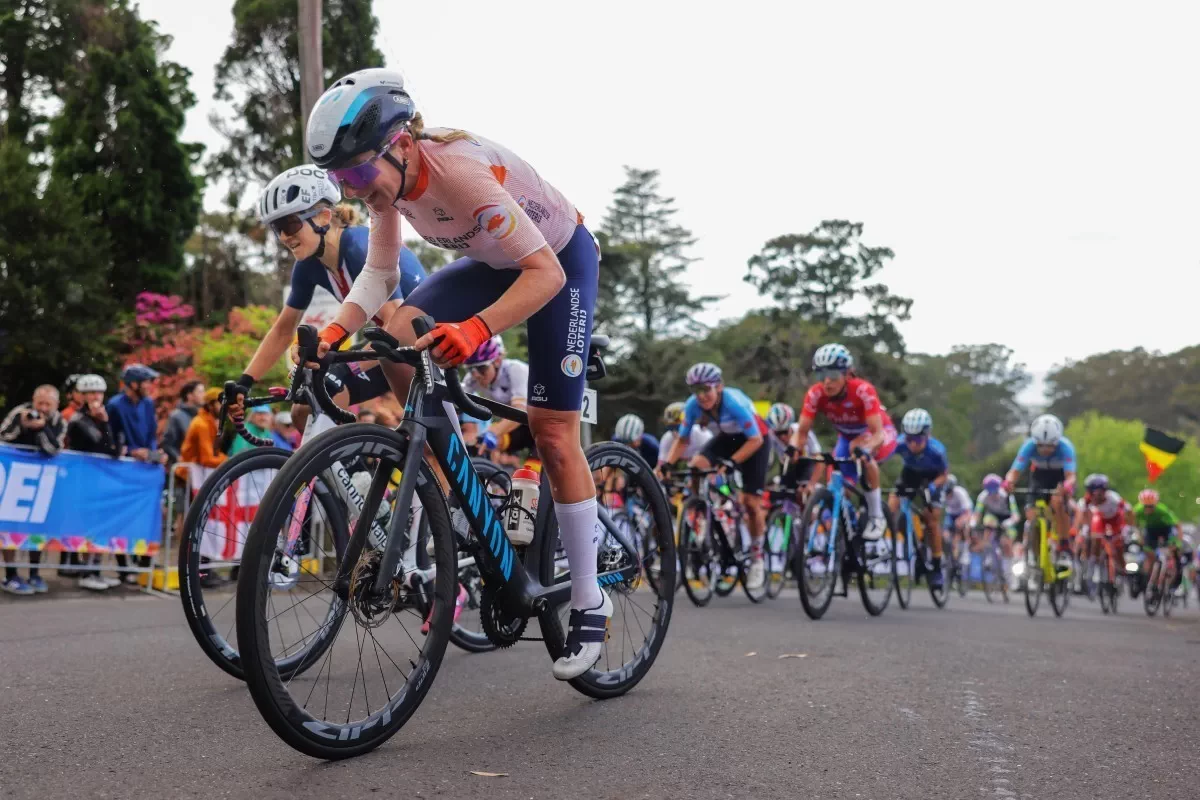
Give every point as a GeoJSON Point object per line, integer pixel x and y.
{"type": "Point", "coordinates": [79, 502]}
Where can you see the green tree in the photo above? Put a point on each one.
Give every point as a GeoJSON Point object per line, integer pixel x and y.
{"type": "Point", "coordinates": [116, 146]}
{"type": "Point", "coordinates": [225, 351]}
{"type": "Point", "coordinates": [645, 262]}
{"type": "Point", "coordinates": [1110, 446]}
{"type": "Point", "coordinates": [431, 258]}
{"type": "Point", "coordinates": [821, 274]}
{"type": "Point", "coordinates": [259, 78]}
{"type": "Point", "coordinates": [37, 46]}
{"type": "Point", "coordinates": [56, 312]}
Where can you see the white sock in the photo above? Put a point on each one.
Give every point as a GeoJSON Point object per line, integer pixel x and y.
{"type": "Point", "coordinates": [874, 503]}
{"type": "Point", "coordinates": [580, 532]}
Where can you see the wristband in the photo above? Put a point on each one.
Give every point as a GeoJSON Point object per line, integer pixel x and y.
{"type": "Point", "coordinates": [333, 334]}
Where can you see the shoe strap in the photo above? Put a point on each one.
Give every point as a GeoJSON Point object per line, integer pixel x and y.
{"type": "Point", "coordinates": [586, 627]}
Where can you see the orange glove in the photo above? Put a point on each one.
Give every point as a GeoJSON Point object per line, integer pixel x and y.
{"type": "Point", "coordinates": [453, 342]}
{"type": "Point", "coordinates": [333, 335]}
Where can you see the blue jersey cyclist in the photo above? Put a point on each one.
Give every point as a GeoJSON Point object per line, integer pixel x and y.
{"type": "Point", "coordinates": [1050, 458]}
{"type": "Point", "coordinates": [739, 439]}
{"type": "Point", "coordinates": [524, 256]}
{"type": "Point", "coordinates": [631, 430]}
{"type": "Point", "coordinates": [303, 207]}
{"type": "Point", "coordinates": [926, 468]}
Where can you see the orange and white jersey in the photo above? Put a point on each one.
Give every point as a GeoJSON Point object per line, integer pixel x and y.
{"type": "Point", "coordinates": [476, 198]}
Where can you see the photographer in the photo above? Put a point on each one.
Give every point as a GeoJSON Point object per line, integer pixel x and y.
{"type": "Point", "coordinates": [39, 425]}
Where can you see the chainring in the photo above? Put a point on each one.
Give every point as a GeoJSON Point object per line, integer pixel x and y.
{"type": "Point", "coordinates": [501, 629]}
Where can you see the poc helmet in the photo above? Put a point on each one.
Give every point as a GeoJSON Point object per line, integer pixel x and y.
{"type": "Point", "coordinates": [135, 373]}
{"type": "Point", "coordinates": [1046, 430]}
{"type": "Point", "coordinates": [296, 191]}
{"type": "Point", "coordinates": [832, 356]}
{"type": "Point", "coordinates": [1096, 482]}
{"type": "Point", "coordinates": [703, 373]}
{"type": "Point", "coordinates": [354, 115]}
{"type": "Point", "coordinates": [992, 483]}
{"type": "Point", "coordinates": [1148, 497]}
{"type": "Point", "coordinates": [486, 353]}
{"type": "Point", "coordinates": [673, 414]}
{"type": "Point", "coordinates": [916, 422]}
{"type": "Point", "coordinates": [781, 416]}
{"type": "Point", "coordinates": [90, 383]}
{"type": "Point", "coordinates": [629, 428]}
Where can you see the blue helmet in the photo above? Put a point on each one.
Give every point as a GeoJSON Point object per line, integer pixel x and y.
{"type": "Point", "coordinates": [354, 115]}
{"type": "Point", "coordinates": [832, 356]}
{"type": "Point", "coordinates": [136, 373]}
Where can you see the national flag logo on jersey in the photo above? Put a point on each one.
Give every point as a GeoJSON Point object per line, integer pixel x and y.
{"type": "Point", "coordinates": [498, 220]}
{"type": "Point", "coordinates": [1160, 450]}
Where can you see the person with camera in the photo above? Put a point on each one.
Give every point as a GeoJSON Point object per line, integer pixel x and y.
{"type": "Point", "coordinates": [36, 424]}
{"type": "Point", "coordinates": [90, 432]}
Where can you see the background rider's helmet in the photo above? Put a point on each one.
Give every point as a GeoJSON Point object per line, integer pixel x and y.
{"type": "Point", "coordinates": [917, 422]}
{"type": "Point", "coordinates": [780, 417]}
{"type": "Point", "coordinates": [1046, 430]}
{"type": "Point", "coordinates": [296, 191]}
{"type": "Point", "coordinates": [486, 353]}
{"type": "Point", "coordinates": [832, 356]}
{"type": "Point", "coordinates": [703, 373]}
{"type": "Point", "coordinates": [629, 428]}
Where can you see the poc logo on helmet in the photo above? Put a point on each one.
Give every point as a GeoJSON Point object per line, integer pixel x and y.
{"type": "Point", "coordinates": [26, 491]}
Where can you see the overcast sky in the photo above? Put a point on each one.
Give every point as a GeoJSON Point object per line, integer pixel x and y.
{"type": "Point", "coordinates": [1034, 165]}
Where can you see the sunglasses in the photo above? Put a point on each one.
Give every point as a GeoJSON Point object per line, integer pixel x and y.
{"type": "Point", "coordinates": [829, 374]}
{"type": "Point", "coordinates": [479, 369]}
{"type": "Point", "coordinates": [916, 438]}
{"type": "Point", "coordinates": [704, 388]}
{"type": "Point", "coordinates": [292, 223]}
{"type": "Point", "coordinates": [361, 175]}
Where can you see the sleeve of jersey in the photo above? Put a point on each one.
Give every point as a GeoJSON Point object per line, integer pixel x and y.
{"type": "Point", "coordinates": [478, 191]}
{"type": "Point", "coordinates": [380, 274]}
{"type": "Point", "coordinates": [814, 444]}
{"type": "Point", "coordinates": [743, 413]}
{"type": "Point", "coordinates": [1068, 456]}
{"type": "Point", "coordinates": [520, 381]}
{"type": "Point", "coordinates": [691, 412]}
{"type": "Point", "coordinates": [1021, 462]}
{"type": "Point", "coordinates": [411, 274]}
{"type": "Point", "coordinates": [811, 403]}
{"type": "Point", "coordinates": [300, 294]}
{"type": "Point", "coordinates": [942, 461]}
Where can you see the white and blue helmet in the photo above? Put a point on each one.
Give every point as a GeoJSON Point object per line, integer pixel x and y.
{"type": "Point", "coordinates": [629, 428]}
{"type": "Point", "coordinates": [916, 422]}
{"type": "Point", "coordinates": [354, 115]}
{"type": "Point", "coordinates": [832, 356]}
{"type": "Point", "coordinates": [703, 373]}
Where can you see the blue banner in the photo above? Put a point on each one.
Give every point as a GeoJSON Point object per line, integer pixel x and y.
{"type": "Point", "coordinates": [79, 502]}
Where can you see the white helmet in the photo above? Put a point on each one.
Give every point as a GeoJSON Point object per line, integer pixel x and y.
{"type": "Point", "coordinates": [90, 383]}
{"type": "Point", "coordinates": [296, 191]}
{"type": "Point", "coordinates": [916, 422]}
{"type": "Point", "coordinates": [780, 416]}
{"type": "Point", "coordinates": [629, 427]}
{"type": "Point", "coordinates": [1046, 429]}
{"type": "Point", "coordinates": [832, 356]}
{"type": "Point", "coordinates": [354, 115]}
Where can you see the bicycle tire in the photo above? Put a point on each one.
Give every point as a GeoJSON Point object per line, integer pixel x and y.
{"type": "Point", "coordinates": [902, 544]}
{"type": "Point", "coordinates": [725, 583]}
{"type": "Point", "coordinates": [604, 684]}
{"type": "Point", "coordinates": [940, 596]}
{"type": "Point", "coordinates": [1060, 595]}
{"type": "Point", "coordinates": [988, 568]}
{"type": "Point", "coordinates": [697, 555]}
{"type": "Point", "coordinates": [866, 575]}
{"type": "Point", "coordinates": [291, 721]}
{"type": "Point", "coordinates": [816, 605]}
{"type": "Point", "coordinates": [1152, 594]}
{"type": "Point", "coordinates": [777, 549]}
{"type": "Point", "coordinates": [213, 643]}
{"type": "Point", "coordinates": [1033, 579]}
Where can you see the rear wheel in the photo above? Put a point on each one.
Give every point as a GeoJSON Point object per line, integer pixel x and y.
{"type": "Point", "coordinates": [1060, 595]}
{"type": "Point", "coordinates": [1151, 595]}
{"type": "Point", "coordinates": [903, 565]}
{"type": "Point", "coordinates": [876, 577]}
{"type": "Point", "coordinates": [700, 565]}
{"type": "Point", "coordinates": [816, 569]}
{"type": "Point", "coordinates": [641, 611]}
{"type": "Point", "coordinates": [989, 575]}
{"type": "Point", "coordinates": [780, 545]}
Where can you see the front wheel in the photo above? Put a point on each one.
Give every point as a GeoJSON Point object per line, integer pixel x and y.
{"type": "Point", "coordinates": [780, 548]}
{"type": "Point", "coordinates": [903, 564]}
{"type": "Point", "coordinates": [1152, 594]}
{"type": "Point", "coordinates": [817, 567]}
{"type": "Point", "coordinates": [700, 563]}
{"type": "Point", "coordinates": [1033, 581]}
{"type": "Point", "coordinates": [876, 575]}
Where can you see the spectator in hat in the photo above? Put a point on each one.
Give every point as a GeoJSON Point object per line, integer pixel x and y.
{"type": "Point", "coordinates": [285, 433]}
{"type": "Point", "coordinates": [132, 414]}
{"type": "Point", "coordinates": [90, 432]}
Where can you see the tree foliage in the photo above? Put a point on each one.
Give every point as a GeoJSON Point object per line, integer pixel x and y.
{"type": "Point", "coordinates": [644, 257]}
{"type": "Point", "coordinates": [258, 77]}
{"type": "Point", "coordinates": [824, 276]}
{"type": "Point", "coordinates": [226, 350]}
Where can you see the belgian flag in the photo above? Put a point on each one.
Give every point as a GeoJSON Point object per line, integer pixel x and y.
{"type": "Point", "coordinates": [1160, 451]}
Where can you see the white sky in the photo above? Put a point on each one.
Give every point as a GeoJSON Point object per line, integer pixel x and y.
{"type": "Point", "coordinates": [1034, 165]}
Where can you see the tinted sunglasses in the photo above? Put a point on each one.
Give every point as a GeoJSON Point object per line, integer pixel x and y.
{"type": "Point", "coordinates": [361, 175]}
{"type": "Point", "coordinates": [479, 369]}
{"type": "Point", "coordinates": [292, 223]}
{"type": "Point", "coordinates": [829, 374]}
{"type": "Point", "coordinates": [704, 388]}
{"type": "Point", "coordinates": [916, 438]}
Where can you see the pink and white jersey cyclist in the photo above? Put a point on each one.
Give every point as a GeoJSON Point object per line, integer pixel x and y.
{"type": "Point", "coordinates": [524, 255]}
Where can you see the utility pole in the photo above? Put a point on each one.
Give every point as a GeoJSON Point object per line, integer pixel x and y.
{"type": "Point", "coordinates": [312, 71]}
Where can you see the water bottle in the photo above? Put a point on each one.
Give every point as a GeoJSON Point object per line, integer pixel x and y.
{"type": "Point", "coordinates": [523, 507]}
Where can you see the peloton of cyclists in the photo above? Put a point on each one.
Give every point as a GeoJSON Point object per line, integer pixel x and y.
{"type": "Point", "coordinates": [1100, 521]}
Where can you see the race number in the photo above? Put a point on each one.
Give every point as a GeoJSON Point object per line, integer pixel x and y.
{"type": "Point", "coordinates": [587, 411]}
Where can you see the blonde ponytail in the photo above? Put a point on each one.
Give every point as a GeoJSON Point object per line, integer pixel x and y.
{"type": "Point", "coordinates": [416, 126]}
{"type": "Point", "coordinates": [346, 215]}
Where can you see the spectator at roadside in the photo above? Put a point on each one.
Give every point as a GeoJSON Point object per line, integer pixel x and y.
{"type": "Point", "coordinates": [135, 427]}
{"type": "Point", "coordinates": [89, 432]}
{"type": "Point", "coordinates": [36, 424]}
{"type": "Point", "coordinates": [285, 433]}
{"type": "Point", "coordinates": [258, 422]}
{"type": "Point", "coordinates": [199, 447]}
{"type": "Point", "coordinates": [191, 397]}
{"type": "Point", "coordinates": [74, 397]}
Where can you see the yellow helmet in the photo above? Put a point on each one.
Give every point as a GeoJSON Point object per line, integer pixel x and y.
{"type": "Point", "coordinates": [673, 415]}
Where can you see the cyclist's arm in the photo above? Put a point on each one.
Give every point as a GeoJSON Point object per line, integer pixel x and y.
{"type": "Point", "coordinates": [276, 342]}
{"type": "Point", "coordinates": [745, 417]}
{"type": "Point", "coordinates": [874, 435]}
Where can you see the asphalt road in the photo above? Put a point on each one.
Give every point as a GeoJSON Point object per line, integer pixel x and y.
{"type": "Point", "coordinates": [110, 697]}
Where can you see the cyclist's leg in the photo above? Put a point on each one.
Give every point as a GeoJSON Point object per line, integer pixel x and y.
{"type": "Point", "coordinates": [754, 480]}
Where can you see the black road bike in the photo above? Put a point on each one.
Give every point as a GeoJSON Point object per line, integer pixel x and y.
{"type": "Point", "coordinates": [345, 704]}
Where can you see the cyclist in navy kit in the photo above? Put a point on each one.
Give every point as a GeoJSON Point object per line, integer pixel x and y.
{"type": "Point", "coordinates": [926, 468]}
{"type": "Point", "coordinates": [631, 430]}
{"type": "Point", "coordinates": [302, 206]}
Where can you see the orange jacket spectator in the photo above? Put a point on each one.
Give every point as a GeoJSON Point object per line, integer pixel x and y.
{"type": "Point", "coordinates": [199, 444]}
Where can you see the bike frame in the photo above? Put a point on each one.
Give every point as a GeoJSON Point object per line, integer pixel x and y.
{"type": "Point", "coordinates": [1046, 532]}
{"type": "Point", "coordinates": [430, 422]}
